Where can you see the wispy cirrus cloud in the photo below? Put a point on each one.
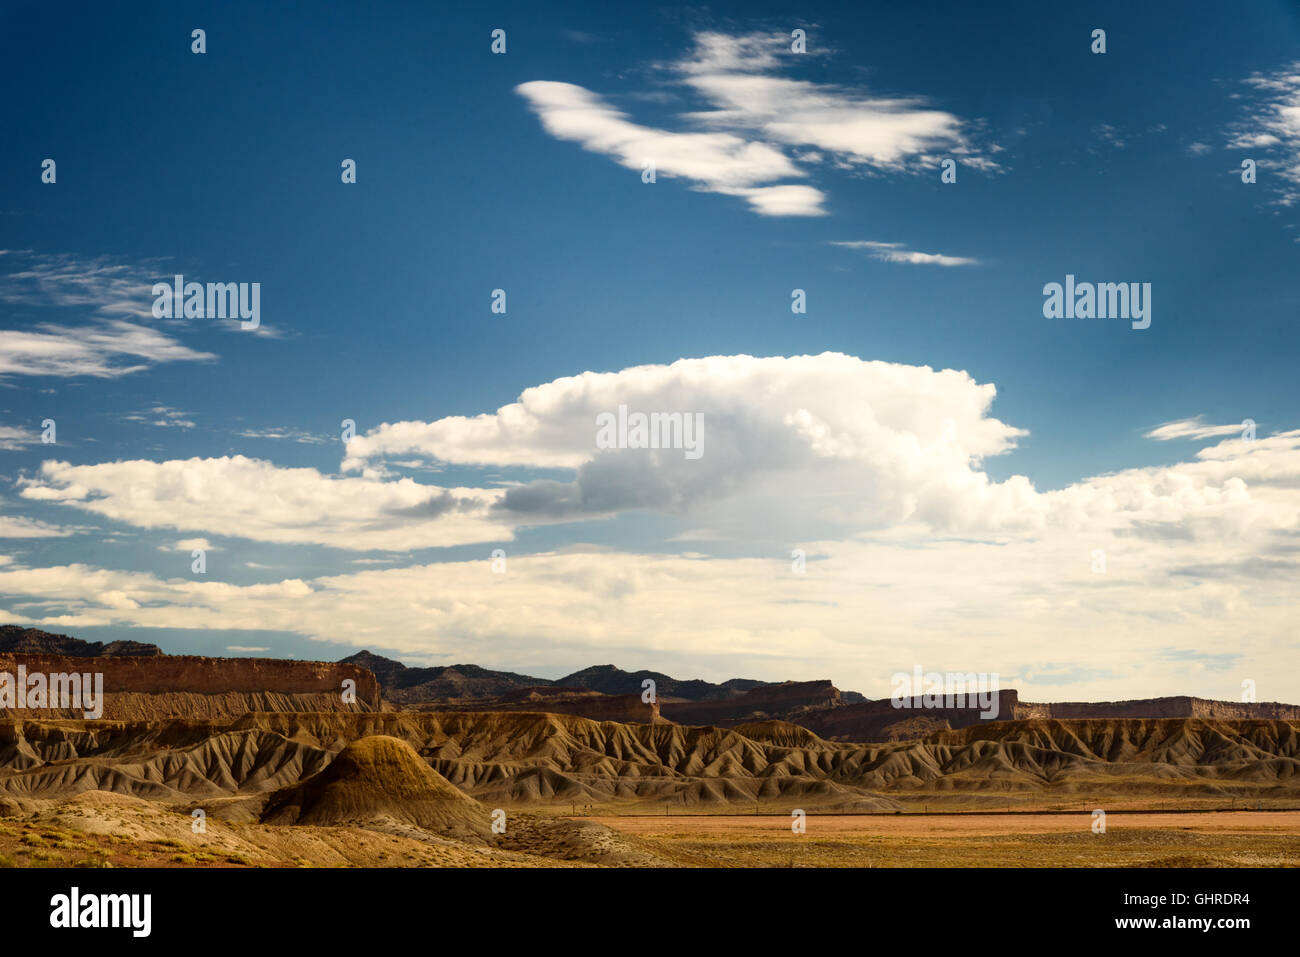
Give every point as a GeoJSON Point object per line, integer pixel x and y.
{"type": "Point", "coordinates": [13, 438]}
{"type": "Point", "coordinates": [1271, 127]}
{"type": "Point", "coordinates": [1193, 428]}
{"type": "Point", "coordinates": [283, 434]}
{"type": "Point", "coordinates": [885, 133]}
{"type": "Point", "coordinates": [1109, 135]}
{"type": "Point", "coordinates": [99, 283]}
{"type": "Point", "coordinates": [898, 253]}
{"type": "Point", "coordinates": [18, 526]}
{"type": "Point", "coordinates": [189, 545]}
{"type": "Point", "coordinates": [112, 345]}
{"type": "Point", "coordinates": [761, 129]}
{"type": "Point", "coordinates": [105, 350]}
{"type": "Point", "coordinates": [162, 416]}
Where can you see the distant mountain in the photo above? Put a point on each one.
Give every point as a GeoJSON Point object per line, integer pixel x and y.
{"type": "Point", "coordinates": [404, 685]}
{"type": "Point", "coordinates": [15, 639]}
{"type": "Point", "coordinates": [407, 685]}
{"type": "Point", "coordinates": [608, 679]}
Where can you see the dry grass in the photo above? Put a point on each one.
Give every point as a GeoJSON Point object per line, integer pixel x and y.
{"type": "Point", "coordinates": [975, 840]}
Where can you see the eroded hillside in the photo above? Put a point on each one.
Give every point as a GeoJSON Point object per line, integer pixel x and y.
{"type": "Point", "coordinates": [537, 758]}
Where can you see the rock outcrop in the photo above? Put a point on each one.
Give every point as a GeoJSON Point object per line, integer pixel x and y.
{"type": "Point", "coordinates": [1177, 706]}
{"type": "Point", "coordinates": [789, 701]}
{"type": "Point", "coordinates": [190, 686]}
{"type": "Point", "coordinates": [883, 721]}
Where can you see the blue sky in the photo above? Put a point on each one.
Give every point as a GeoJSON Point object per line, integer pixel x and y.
{"type": "Point", "coordinates": [375, 306]}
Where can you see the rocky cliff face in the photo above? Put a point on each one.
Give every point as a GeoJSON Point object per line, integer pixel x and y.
{"type": "Point", "coordinates": [788, 701]}
{"type": "Point", "coordinates": [191, 686]}
{"type": "Point", "coordinates": [1177, 706]}
{"type": "Point", "coordinates": [881, 721]}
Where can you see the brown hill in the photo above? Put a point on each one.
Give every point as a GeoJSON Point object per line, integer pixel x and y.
{"type": "Point", "coordinates": [15, 639]}
{"type": "Point", "coordinates": [402, 684]}
{"type": "Point", "coordinates": [466, 684]}
{"type": "Point", "coordinates": [609, 679]}
{"type": "Point", "coordinates": [374, 778]}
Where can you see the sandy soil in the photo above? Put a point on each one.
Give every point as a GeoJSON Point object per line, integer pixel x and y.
{"type": "Point", "coordinates": [1198, 839]}
{"type": "Point", "coordinates": [956, 825]}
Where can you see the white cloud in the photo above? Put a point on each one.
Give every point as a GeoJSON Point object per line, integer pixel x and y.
{"type": "Point", "coordinates": [104, 350]}
{"type": "Point", "coordinates": [112, 288]}
{"type": "Point", "coordinates": [716, 162]}
{"type": "Point", "coordinates": [827, 445]}
{"type": "Point", "coordinates": [284, 434]}
{"type": "Point", "coordinates": [854, 445]}
{"type": "Point", "coordinates": [1272, 127]}
{"type": "Point", "coordinates": [730, 149]}
{"type": "Point", "coordinates": [874, 469]}
{"type": "Point", "coordinates": [108, 347]}
{"type": "Point", "coordinates": [13, 438]}
{"type": "Point", "coordinates": [189, 545]}
{"type": "Point", "coordinates": [862, 610]}
{"type": "Point", "coordinates": [897, 253]}
{"type": "Point", "coordinates": [1194, 428]}
{"type": "Point", "coordinates": [163, 417]}
{"type": "Point", "coordinates": [250, 498]}
{"type": "Point", "coordinates": [870, 441]}
{"type": "Point", "coordinates": [888, 133]}
{"type": "Point", "coordinates": [16, 526]}
{"type": "Point", "coordinates": [863, 443]}
{"type": "Point", "coordinates": [1109, 134]}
